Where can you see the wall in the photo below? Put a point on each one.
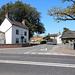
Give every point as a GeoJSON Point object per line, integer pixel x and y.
{"type": "Point", "coordinates": [68, 46]}
{"type": "Point", "coordinates": [14, 45]}
{"type": "Point", "coordinates": [21, 33]}
{"type": "Point", "coordinates": [2, 38]}
{"type": "Point", "coordinates": [8, 33]}
{"type": "Point", "coordinates": [59, 41]}
{"type": "Point", "coordinates": [53, 37]}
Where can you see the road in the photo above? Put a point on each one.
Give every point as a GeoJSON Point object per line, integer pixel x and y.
{"type": "Point", "coordinates": [17, 62]}
{"type": "Point", "coordinates": [38, 49]}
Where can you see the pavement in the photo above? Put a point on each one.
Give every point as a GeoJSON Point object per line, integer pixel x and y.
{"type": "Point", "coordinates": [58, 50]}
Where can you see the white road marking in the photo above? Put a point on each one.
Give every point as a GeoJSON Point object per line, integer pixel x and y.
{"type": "Point", "coordinates": [33, 53]}
{"type": "Point", "coordinates": [45, 49]}
{"type": "Point", "coordinates": [38, 63]}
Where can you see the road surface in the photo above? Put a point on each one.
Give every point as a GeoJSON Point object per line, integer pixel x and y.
{"type": "Point", "coordinates": [19, 62]}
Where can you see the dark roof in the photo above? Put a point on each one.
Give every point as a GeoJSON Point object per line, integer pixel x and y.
{"type": "Point", "coordinates": [13, 22]}
{"type": "Point", "coordinates": [53, 35]}
{"type": "Point", "coordinates": [68, 34]}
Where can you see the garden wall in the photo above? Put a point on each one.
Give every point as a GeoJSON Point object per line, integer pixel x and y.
{"type": "Point", "coordinates": [13, 45]}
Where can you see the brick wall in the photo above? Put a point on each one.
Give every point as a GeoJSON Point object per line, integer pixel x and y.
{"type": "Point", "coordinates": [13, 45]}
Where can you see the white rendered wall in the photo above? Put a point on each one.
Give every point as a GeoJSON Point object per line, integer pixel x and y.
{"type": "Point", "coordinates": [8, 36]}
{"type": "Point", "coordinates": [21, 33]}
{"type": "Point", "coordinates": [59, 41]}
{"type": "Point", "coordinates": [6, 27]}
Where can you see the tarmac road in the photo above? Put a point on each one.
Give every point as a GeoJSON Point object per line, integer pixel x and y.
{"type": "Point", "coordinates": [33, 61]}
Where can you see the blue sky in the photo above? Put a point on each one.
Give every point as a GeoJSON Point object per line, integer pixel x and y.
{"type": "Point", "coordinates": [42, 6]}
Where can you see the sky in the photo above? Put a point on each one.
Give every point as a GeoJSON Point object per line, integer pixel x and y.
{"type": "Point", "coordinates": [48, 21]}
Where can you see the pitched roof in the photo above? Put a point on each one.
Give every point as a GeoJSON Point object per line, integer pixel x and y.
{"type": "Point", "coordinates": [68, 34]}
{"type": "Point", "coordinates": [13, 22]}
{"type": "Point", "coordinates": [53, 35]}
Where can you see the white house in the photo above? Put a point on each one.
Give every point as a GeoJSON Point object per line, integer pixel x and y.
{"type": "Point", "coordinates": [15, 32]}
{"type": "Point", "coordinates": [59, 41]}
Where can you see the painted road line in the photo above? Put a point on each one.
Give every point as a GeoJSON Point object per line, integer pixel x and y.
{"type": "Point", "coordinates": [45, 49]}
{"type": "Point", "coordinates": [38, 63]}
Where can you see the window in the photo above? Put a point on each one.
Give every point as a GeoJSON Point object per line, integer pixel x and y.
{"type": "Point", "coordinates": [17, 40]}
{"type": "Point", "coordinates": [17, 32]}
{"type": "Point", "coordinates": [25, 33]}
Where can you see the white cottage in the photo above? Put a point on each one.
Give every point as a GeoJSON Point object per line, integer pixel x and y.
{"type": "Point", "coordinates": [15, 32]}
{"type": "Point", "coordinates": [59, 41]}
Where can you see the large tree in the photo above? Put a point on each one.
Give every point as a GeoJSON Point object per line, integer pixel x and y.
{"type": "Point", "coordinates": [19, 11]}
{"type": "Point", "coordinates": [63, 14]}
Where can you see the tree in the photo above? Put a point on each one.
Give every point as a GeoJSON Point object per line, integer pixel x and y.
{"type": "Point", "coordinates": [47, 37]}
{"type": "Point", "coordinates": [63, 14]}
{"type": "Point", "coordinates": [64, 30]}
{"type": "Point", "coordinates": [19, 11]}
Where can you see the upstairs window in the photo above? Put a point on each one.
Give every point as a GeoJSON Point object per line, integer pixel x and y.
{"type": "Point", "coordinates": [25, 33]}
{"type": "Point", "coordinates": [17, 32]}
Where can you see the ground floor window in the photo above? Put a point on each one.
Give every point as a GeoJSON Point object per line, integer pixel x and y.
{"type": "Point", "coordinates": [17, 40]}
{"type": "Point", "coordinates": [25, 40]}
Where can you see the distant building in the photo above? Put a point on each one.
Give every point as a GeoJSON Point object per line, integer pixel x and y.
{"type": "Point", "coordinates": [53, 36]}
{"type": "Point", "coordinates": [39, 39]}
{"type": "Point", "coordinates": [56, 36]}
{"type": "Point", "coordinates": [59, 41]}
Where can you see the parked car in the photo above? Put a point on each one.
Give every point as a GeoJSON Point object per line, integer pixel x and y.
{"type": "Point", "coordinates": [52, 42]}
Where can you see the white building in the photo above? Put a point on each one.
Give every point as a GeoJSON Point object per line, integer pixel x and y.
{"type": "Point", "coordinates": [14, 32]}
{"type": "Point", "coordinates": [2, 38]}
{"type": "Point", "coordinates": [59, 41]}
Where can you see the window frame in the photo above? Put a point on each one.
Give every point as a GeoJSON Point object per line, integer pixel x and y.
{"type": "Point", "coordinates": [17, 40]}
{"type": "Point", "coordinates": [25, 33]}
{"type": "Point", "coordinates": [17, 32]}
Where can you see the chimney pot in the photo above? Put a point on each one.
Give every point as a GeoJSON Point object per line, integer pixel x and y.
{"type": "Point", "coordinates": [6, 15]}
{"type": "Point", "coordinates": [23, 21]}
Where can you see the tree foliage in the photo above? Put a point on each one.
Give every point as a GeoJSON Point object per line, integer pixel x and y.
{"type": "Point", "coordinates": [64, 30]}
{"type": "Point", "coordinates": [63, 14]}
{"type": "Point", "coordinates": [19, 11]}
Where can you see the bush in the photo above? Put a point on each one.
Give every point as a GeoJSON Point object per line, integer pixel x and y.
{"type": "Point", "coordinates": [42, 42]}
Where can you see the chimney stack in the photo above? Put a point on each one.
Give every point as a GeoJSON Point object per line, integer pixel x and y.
{"type": "Point", "coordinates": [59, 32]}
{"type": "Point", "coordinates": [6, 15]}
{"type": "Point", "coordinates": [23, 21]}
